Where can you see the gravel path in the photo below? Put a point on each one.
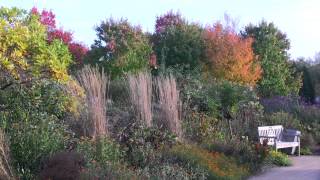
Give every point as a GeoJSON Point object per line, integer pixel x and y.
{"type": "Point", "coordinates": [303, 168]}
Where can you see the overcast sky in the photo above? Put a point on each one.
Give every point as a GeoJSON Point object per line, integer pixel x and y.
{"type": "Point", "coordinates": [299, 19]}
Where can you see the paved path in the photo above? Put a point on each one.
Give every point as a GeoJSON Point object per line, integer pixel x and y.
{"type": "Point", "coordinates": [303, 168]}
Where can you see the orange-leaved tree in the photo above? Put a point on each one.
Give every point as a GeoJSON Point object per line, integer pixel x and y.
{"type": "Point", "coordinates": [230, 57]}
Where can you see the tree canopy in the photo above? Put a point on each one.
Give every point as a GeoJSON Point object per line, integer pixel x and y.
{"type": "Point", "coordinates": [25, 53]}
{"type": "Point", "coordinates": [271, 47]}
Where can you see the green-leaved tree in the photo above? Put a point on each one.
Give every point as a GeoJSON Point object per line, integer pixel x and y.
{"type": "Point", "coordinates": [271, 46]}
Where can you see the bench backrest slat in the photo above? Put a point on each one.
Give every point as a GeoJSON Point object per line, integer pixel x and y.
{"type": "Point", "coordinates": [270, 131]}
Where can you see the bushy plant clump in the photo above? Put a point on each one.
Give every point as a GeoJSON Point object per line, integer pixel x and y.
{"type": "Point", "coordinates": [216, 165]}
{"type": "Point", "coordinates": [278, 158]}
{"type": "Point", "coordinates": [33, 126]}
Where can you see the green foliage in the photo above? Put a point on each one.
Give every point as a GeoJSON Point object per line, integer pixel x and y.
{"type": "Point", "coordinates": [179, 44]}
{"type": "Point", "coordinates": [109, 171]}
{"type": "Point", "coordinates": [174, 171]}
{"type": "Point", "coordinates": [305, 151]}
{"type": "Point", "coordinates": [103, 150]}
{"type": "Point", "coordinates": [30, 118]}
{"type": "Point", "coordinates": [26, 53]}
{"type": "Point", "coordinates": [307, 91]}
{"type": "Point", "coordinates": [283, 118]}
{"type": "Point", "coordinates": [33, 139]}
{"type": "Point", "coordinates": [142, 144]}
{"type": "Point", "coordinates": [200, 127]}
{"type": "Point", "coordinates": [120, 48]}
{"type": "Point", "coordinates": [315, 77]}
{"type": "Point", "coordinates": [271, 46]}
{"type": "Point", "coordinates": [279, 159]}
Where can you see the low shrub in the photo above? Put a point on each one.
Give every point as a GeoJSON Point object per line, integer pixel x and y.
{"type": "Point", "coordinates": [113, 171]}
{"type": "Point", "coordinates": [63, 166]}
{"type": "Point", "coordinates": [142, 143]}
{"type": "Point", "coordinates": [245, 152]}
{"type": "Point", "coordinates": [102, 150]}
{"type": "Point", "coordinates": [173, 171]}
{"type": "Point", "coordinates": [199, 127]}
{"type": "Point", "coordinates": [104, 159]}
{"type": "Point", "coordinates": [283, 118]}
{"type": "Point", "coordinates": [32, 140]}
{"type": "Point", "coordinates": [278, 158]}
{"type": "Point", "coordinates": [216, 165]}
{"type": "Point", "coordinates": [305, 151]}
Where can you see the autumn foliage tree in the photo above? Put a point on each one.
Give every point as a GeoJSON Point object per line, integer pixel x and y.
{"type": "Point", "coordinates": [47, 18]}
{"type": "Point", "coordinates": [120, 47]}
{"type": "Point", "coordinates": [25, 54]}
{"type": "Point", "coordinates": [230, 57]}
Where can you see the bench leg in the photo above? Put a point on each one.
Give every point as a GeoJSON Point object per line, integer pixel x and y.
{"type": "Point", "coordinates": [293, 150]}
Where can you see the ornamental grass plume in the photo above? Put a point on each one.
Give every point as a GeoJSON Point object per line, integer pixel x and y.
{"type": "Point", "coordinates": [5, 161]}
{"type": "Point", "coordinates": [168, 97]}
{"type": "Point", "coordinates": [140, 86]}
{"type": "Point", "coordinates": [96, 85]}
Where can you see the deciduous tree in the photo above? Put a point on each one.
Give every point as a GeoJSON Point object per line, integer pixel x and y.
{"type": "Point", "coordinates": [230, 57]}
{"type": "Point", "coordinates": [25, 54]}
{"type": "Point", "coordinates": [120, 47]}
{"type": "Point", "coordinates": [177, 42]}
{"type": "Point", "coordinates": [271, 46]}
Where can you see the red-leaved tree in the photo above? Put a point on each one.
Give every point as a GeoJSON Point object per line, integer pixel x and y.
{"type": "Point", "coordinates": [229, 56]}
{"type": "Point", "coordinates": [47, 18]}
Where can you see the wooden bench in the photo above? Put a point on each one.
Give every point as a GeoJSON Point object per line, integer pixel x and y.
{"type": "Point", "coordinates": [279, 138]}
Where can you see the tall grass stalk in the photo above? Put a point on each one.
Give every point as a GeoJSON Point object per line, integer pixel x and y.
{"type": "Point", "coordinates": [168, 97]}
{"type": "Point", "coordinates": [96, 85]}
{"type": "Point", "coordinates": [140, 86]}
{"type": "Point", "coordinates": [5, 165]}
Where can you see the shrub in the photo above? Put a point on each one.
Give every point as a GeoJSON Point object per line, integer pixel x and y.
{"type": "Point", "coordinates": [32, 125]}
{"type": "Point", "coordinates": [102, 150]}
{"type": "Point", "coordinates": [278, 158]}
{"type": "Point", "coordinates": [109, 171]}
{"type": "Point", "coordinates": [282, 118]}
{"type": "Point", "coordinates": [310, 119]}
{"type": "Point", "coordinates": [142, 144]}
{"type": "Point", "coordinates": [279, 103]}
{"type": "Point", "coordinates": [217, 165]}
{"type": "Point", "coordinates": [34, 138]}
{"type": "Point", "coordinates": [173, 171]}
{"type": "Point", "coordinates": [305, 151]}
{"type": "Point", "coordinates": [63, 166]}
{"type": "Point", "coordinates": [200, 127]}
{"type": "Point", "coordinates": [244, 151]}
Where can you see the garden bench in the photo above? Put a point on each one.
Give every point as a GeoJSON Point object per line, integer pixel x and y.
{"type": "Point", "coordinates": [279, 138]}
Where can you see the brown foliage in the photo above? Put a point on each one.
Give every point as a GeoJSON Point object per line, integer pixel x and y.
{"type": "Point", "coordinates": [63, 166]}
